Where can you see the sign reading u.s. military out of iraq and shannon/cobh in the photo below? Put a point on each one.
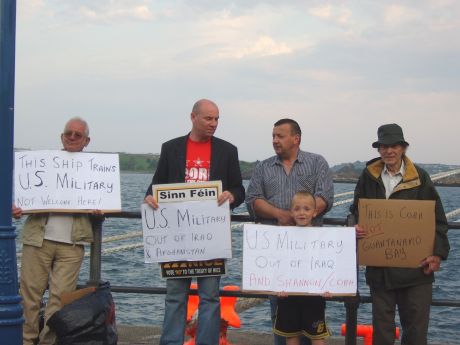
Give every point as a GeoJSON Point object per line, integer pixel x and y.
{"type": "Point", "coordinates": [187, 226]}
{"type": "Point", "coordinates": [62, 181]}
{"type": "Point", "coordinates": [299, 260]}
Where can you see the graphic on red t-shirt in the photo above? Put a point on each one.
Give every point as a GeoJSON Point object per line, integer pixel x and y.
{"type": "Point", "coordinates": [198, 161]}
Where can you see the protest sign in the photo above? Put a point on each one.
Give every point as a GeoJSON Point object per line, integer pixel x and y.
{"type": "Point", "coordinates": [188, 224]}
{"type": "Point", "coordinates": [299, 260]}
{"type": "Point", "coordinates": [62, 181]}
{"type": "Point", "coordinates": [400, 232]}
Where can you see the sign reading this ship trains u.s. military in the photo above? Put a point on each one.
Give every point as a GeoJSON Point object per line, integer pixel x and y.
{"type": "Point", "coordinates": [188, 226]}
{"type": "Point", "coordinates": [62, 181]}
{"type": "Point", "coordinates": [400, 233]}
{"type": "Point", "coordinates": [299, 260]}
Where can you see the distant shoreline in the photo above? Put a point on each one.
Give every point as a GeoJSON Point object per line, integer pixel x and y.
{"type": "Point", "coordinates": [335, 180]}
{"type": "Point", "coordinates": [146, 163]}
{"type": "Point", "coordinates": [437, 184]}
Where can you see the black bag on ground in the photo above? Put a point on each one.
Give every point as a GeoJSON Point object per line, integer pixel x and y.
{"type": "Point", "coordinates": [89, 320]}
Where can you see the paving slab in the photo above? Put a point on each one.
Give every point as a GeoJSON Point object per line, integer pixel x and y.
{"type": "Point", "coordinates": [143, 335]}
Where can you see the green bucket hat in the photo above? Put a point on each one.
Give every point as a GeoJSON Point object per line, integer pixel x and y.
{"type": "Point", "coordinates": [390, 134]}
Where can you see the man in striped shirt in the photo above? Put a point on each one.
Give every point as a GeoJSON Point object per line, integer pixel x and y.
{"type": "Point", "coordinates": [276, 179]}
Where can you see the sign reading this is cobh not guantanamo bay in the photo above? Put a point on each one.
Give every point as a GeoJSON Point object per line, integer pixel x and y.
{"type": "Point", "coordinates": [400, 233]}
{"type": "Point", "coordinates": [188, 224]}
{"type": "Point", "coordinates": [299, 260]}
{"type": "Point", "coordinates": [62, 181]}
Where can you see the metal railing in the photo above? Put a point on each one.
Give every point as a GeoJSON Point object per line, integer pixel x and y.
{"type": "Point", "coordinates": [351, 303]}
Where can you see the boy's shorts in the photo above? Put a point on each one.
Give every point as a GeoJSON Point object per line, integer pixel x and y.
{"type": "Point", "coordinates": [301, 315]}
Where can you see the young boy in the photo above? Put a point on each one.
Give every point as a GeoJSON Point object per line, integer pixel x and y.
{"type": "Point", "coordinates": [298, 316]}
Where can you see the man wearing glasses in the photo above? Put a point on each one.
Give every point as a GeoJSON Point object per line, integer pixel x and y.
{"type": "Point", "coordinates": [52, 251]}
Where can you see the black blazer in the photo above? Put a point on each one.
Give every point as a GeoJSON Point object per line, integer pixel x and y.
{"type": "Point", "coordinates": [224, 166]}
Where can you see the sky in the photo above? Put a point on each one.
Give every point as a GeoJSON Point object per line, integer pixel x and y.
{"type": "Point", "coordinates": [134, 68]}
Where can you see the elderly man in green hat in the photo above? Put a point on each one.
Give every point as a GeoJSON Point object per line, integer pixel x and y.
{"type": "Point", "coordinates": [394, 176]}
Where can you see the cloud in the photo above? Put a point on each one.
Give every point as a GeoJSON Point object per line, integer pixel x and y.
{"type": "Point", "coordinates": [29, 8]}
{"type": "Point", "coordinates": [344, 19]}
{"type": "Point", "coordinates": [151, 59]}
{"type": "Point", "coordinates": [223, 35]}
{"type": "Point", "coordinates": [103, 11]}
{"type": "Point", "coordinates": [329, 76]}
{"type": "Point", "coordinates": [336, 14]}
{"type": "Point", "coordinates": [261, 47]}
{"type": "Point", "coordinates": [400, 14]}
{"type": "Point", "coordinates": [140, 12]}
{"type": "Point", "coordinates": [426, 16]}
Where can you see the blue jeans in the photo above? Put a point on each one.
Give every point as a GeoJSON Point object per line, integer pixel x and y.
{"type": "Point", "coordinates": [279, 340]}
{"type": "Point", "coordinates": [177, 291]}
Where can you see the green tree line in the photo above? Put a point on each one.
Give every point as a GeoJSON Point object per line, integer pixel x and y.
{"type": "Point", "coordinates": [147, 163]}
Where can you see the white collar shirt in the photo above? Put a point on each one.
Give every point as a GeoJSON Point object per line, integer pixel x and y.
{"type": "Point", "coordinates": [390, 181]}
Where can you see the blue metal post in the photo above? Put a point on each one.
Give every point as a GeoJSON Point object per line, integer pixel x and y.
{"type": "Point", "coordinates": [10, 303]}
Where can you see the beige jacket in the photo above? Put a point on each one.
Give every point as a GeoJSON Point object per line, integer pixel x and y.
{"type": "Point", "coordinates": [34, 229]}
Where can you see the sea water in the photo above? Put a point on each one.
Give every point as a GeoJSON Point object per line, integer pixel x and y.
{"type": "Point", "coordinates": [128, 268]}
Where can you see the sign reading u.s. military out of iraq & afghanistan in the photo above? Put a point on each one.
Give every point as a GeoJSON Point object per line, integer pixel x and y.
{"type": "Point", "coordinates": [187, 229]}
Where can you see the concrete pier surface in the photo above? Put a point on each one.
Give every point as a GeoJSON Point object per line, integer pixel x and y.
{"type": "Point", "coordinates": [143, 335]}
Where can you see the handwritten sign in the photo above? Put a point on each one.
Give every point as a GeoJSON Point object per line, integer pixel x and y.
{"type": "Point", "coordinates": [299, 260]}
{"type": "Point", "coordinates": [62, 181]}
{"type": "Point", "coordinates": [194, 229]}
{"type": "Point", "coordinates": [400, 232]}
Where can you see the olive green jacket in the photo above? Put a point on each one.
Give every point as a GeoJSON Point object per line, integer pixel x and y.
{"type": "Point", "coordinates": [415, 185]}
{"type": "Point", "coordinates": [33, 231]}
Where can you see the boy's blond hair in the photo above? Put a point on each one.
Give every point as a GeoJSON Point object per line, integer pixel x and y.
{"type": "Point", "coordinates": [304, 194]}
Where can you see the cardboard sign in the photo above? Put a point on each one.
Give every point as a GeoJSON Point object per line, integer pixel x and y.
{"type": "Point", "coordinates": [400, 232]}
{"type": "Point", "coordinates": [62, 181]}
{"type": "Point", "coordinates": [299, 260]}
{"type": "Point", "coordinates": [188, 224]}
{"type": "Point", "coordinates": [187, 269]}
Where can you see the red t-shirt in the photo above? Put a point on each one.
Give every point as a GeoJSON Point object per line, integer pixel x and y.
{"type": "Point", "coordinates": [198, 161]}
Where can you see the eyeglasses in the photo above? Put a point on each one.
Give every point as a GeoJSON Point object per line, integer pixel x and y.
{"type": "Point", "coordinates": [76, 135]}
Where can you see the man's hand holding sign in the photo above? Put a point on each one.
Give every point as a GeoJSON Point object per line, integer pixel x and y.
{"type": "Point", "coordinates": [61, 190]}
{"type": "Point", "coordinates": [401, 238]}
{"type": "Point", "coordinates": [286, 259]}
{"type": "Point", "coordinates": [66, 182]}
{"type": "Point", "coordinates": [198, 156]}
{"type": "Point", "coordinates": [188, 223]}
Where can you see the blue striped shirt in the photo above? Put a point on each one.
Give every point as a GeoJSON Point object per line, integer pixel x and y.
{"type": "Point", "coordinates": [310, 172]}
